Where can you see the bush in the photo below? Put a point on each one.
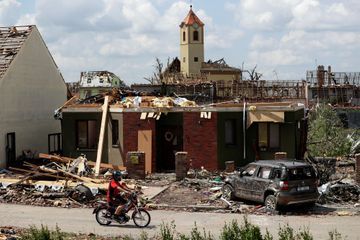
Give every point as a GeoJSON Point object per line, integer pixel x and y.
{"type": "Point", "coordinates": [167, 231]}
{"type": "Point", "coordinates": [288, 233]}
{"type": "Point", "coordinates": [42, 234]}
{"type": "Point", "coordinates": [247, 231]}
{"type": "Point", "coordinates": [334, 235]}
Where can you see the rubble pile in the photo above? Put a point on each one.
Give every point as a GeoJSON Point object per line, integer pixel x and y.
{"type": "Point", "coordinates": [9, 233]}
{"type": "Point", "coordinates": [337, 184]}
{"type": "Point", "coordinates": [342, 191]}
{"type": "Point", "coordinates": [44, 196]}
{"type": "Point", "coordinates": [62, 182]}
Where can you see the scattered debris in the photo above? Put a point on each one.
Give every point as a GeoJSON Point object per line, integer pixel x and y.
{"type": "Point", "coordinates": [340, 192]}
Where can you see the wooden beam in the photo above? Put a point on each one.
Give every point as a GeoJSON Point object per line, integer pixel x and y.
{"type": "Point", "coordinates": [105, 108]}
{"type": "Point", "coordinates": [66, 160]}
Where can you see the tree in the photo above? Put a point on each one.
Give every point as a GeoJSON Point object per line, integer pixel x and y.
{"type": "Point", "coordinates": [253, 74]}
{"type": "Point", "coordinates": [327, 136]}
{"type": "Point", "coordinates": [159, 72]}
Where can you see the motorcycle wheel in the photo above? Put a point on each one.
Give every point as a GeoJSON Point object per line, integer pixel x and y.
{"type": "Point", "coordinates": [101, 216]}
{"type": "Point", "coordinates": [141, 218]}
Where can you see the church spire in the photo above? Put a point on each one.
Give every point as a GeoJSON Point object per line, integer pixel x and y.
{"type": "Point", "coordinates": [191, 18]}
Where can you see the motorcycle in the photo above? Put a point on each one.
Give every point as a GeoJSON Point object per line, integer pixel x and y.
{"type": "Point", "coordinates": [104, 214]}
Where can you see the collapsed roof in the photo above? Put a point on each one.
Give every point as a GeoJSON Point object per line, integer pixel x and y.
{"type": "Point", "coordinates": [11, 40]}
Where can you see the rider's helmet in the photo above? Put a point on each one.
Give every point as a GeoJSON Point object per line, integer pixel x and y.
{"type": "Point", "coordinates": [117, 175]}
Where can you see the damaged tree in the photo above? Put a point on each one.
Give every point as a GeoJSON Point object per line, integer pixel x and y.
{"type": "Point", "coordinates": [326, 136]}
{"type": "Point", "coordinates": [158, 74]}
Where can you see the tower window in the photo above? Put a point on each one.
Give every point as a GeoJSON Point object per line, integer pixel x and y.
{"type": "Point", "coordinates": [196, 59]}
{"type": "Point", "coordinates": [184, 59]}
{"type": "Point", "coordinates": [184, 36]}
{"type": "Point", "coordinates": [196, 36]}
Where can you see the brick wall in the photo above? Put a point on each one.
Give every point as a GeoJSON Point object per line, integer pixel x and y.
{"type": "Point", "coordinates": [132, 124]}
{"type": "Point", "coordinates": [200, 140]}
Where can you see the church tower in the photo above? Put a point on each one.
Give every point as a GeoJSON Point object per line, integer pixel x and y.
{"type": "Point", "coordinates": [191, 44]}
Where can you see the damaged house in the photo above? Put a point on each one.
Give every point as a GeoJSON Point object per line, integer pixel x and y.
{"type": "Point", "coordinates": [161, 126]}
{"type": "Point", "coordinates": [31, 87]}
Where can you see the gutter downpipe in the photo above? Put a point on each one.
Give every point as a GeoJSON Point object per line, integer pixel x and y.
{"type": "Point", "coordinates": [244, 129]}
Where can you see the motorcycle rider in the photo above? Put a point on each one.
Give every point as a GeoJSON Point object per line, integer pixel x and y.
{"type": "Point", "coordinates": [117, 194]}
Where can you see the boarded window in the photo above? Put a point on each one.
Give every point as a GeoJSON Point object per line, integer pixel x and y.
{"type": "Point", "coordinates": [115, 132]}
{"type": "Point", "coordinates": [87, 134]}
{"type": "Point", "coordinates": [196, 36]}
{"type": "Point", "coordinates": [230, 132]}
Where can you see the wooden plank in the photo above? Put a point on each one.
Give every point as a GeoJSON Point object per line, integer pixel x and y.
{"type": "Point", "coordinates": [101, 135]}
{"type": "Point", "coordinates": [66, 160]}
{"type": "Point", "coordinates": [29, 172]}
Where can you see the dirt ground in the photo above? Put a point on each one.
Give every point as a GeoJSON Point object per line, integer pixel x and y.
{"type": "Point", "coordinates": [179, 195]}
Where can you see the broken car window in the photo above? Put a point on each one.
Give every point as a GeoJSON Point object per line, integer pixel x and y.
{"type": "Point", "coordinates": [249, 171]}
{"type": "Point", "coordinates": [264, 172]}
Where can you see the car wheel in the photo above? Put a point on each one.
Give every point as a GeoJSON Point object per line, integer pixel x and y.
{"type": "Point", "coordinates": [270, 203]}
{"type": "Point", "coordinates": [228, 192]}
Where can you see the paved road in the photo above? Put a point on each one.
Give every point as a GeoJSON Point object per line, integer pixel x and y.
{"type": "Point", "coordinates": [82, 221]}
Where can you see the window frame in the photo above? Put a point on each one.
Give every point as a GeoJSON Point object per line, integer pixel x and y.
{"type": "Point", "coordinates": [268, 137]}
{"type": "Point", "coordinates": [87, 134]}
{"type": "Point", "coordinates": [195, 35]}
{"type": "Point", "coordinates": [115, 132]}
{"type": "Point", "coordinates": [269, 176]}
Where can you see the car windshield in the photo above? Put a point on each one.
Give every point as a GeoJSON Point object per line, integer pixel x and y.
{"type": "Point", "coordinates": [300, 173]}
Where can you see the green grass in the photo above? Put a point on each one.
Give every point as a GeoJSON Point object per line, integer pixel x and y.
{"type": "Point", "coordinates": [230, 231]}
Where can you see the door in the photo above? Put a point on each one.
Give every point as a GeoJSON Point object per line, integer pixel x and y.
{"type": "Point", "coordinates": [244, 185]}
{"type": "Point", "coordinates": [170, 141]}
{"type": "Point", "coordinates": [145, 145]}
{"type": "Point", "coordinates": [261, 183]}
{"type": "Point", "coordinates": [10, 149]}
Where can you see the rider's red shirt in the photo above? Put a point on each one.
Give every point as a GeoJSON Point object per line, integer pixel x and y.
{"type": "Point", "coordinates": [113, 190]}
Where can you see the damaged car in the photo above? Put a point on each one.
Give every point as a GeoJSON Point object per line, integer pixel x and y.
{"type": "Point", "coordinates": [274, 183]}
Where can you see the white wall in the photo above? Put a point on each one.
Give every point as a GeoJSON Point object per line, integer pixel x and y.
{"type": "Point", "coordinates": [30, 91]}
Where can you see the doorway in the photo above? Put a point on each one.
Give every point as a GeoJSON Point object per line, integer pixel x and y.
{"type": "Point", "coordinates": [10, 149]}
{"type": "Point", "coordinates": [169, 131]}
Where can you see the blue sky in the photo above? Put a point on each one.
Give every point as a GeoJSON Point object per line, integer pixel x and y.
{"type": "Point", "coordinates": [284, 38]}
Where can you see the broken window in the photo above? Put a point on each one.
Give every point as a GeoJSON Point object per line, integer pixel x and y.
{"type": "Point", "coordinates": [230, 132]}
{"type": "Point", "coordinates": [264, 172]}
{"type": "Point", "coordinates": [87, 136]}
{"type": "Point", "coordinates": [196, 36]}
{"type": "Point", "coordinates": [249, 171]}
{"type": "Point", "coordinates": [115, 132]}
{"type": "Point", "coordinates": [268, 136]}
